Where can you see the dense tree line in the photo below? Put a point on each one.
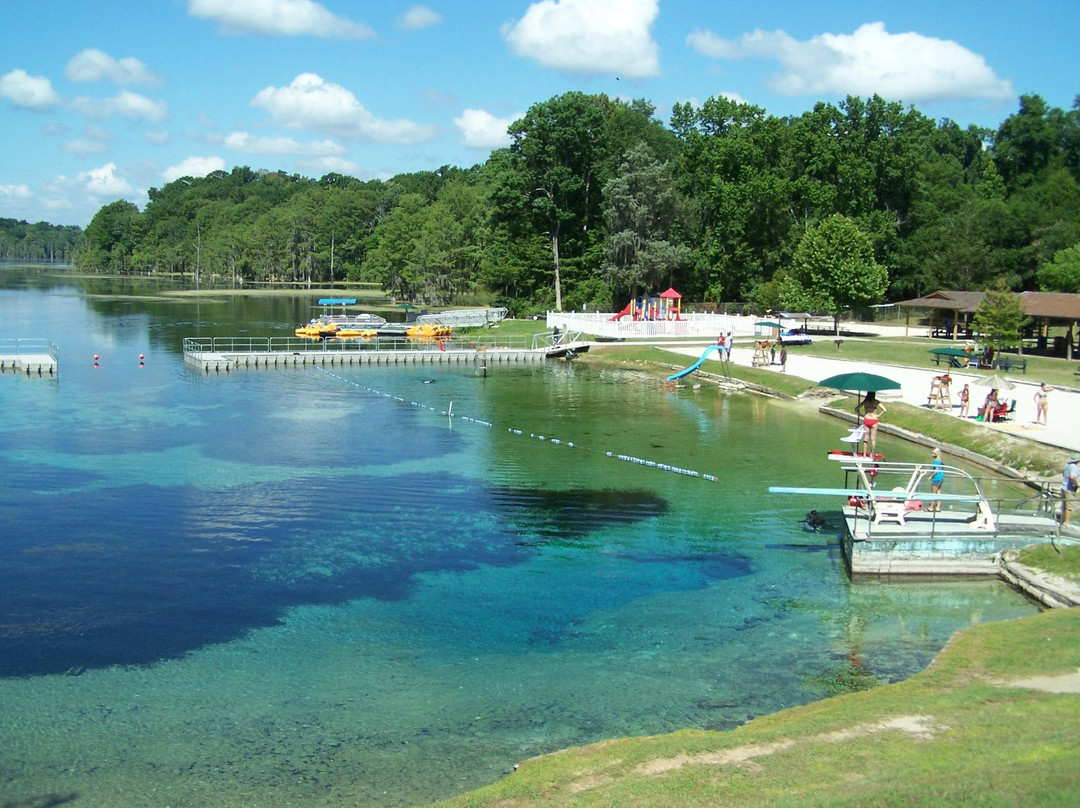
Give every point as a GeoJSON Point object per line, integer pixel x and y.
{"type": "Point", "coordinates": [596, 200]}
{"type": "Point", "coordinates": [41, 242]}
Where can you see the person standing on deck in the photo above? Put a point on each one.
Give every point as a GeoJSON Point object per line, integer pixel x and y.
{"type": "Point", "coordinates": [871, 411]}
{"type": "Point", "coordinates": [936, 479]}
{"type": "Point", "coordinates": [1070, 482]}
{"type": "Point", "coordinates": [1042, 403]}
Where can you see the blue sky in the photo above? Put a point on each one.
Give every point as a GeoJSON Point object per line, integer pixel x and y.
{"type": "Point", "coordinates": [102, 101]}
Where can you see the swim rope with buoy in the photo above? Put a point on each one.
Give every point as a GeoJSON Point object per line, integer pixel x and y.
{"type": "Point", "coordinates": [640, 461]}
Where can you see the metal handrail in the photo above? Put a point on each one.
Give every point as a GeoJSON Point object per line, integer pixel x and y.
{"type": "Point", "coordinates": [29, 347]}
{"type": "Point", "coordinates": [300, 345]}
{"type": "Point", "coordinates": [547, 340]}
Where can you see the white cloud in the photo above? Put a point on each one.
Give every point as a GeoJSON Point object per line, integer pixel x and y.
{"type": "Point", "coordinates": [482, 130]}
{"type": "Point", "coordinates": [311, 103]}
{"type": "Point", "coordinates": [244, 142]}
{"type": "Point", "coordinates": [126, 104]}
{"type": "Point", "coordinates": [589, 36]}
{"type": "Point", "coordinates": [83, 148]}
{"type": "Point", "coordinates": [92, 65]}
{"type": "Point", "coordinates": [104, 182]}
{"type": "Point", "coordinates": [327, 165]}
{"type": "Point", "coordinates": [193, 167]}
{"type": "Point", "coordinates": [419, 17]}
{"type": "Point", "coordinates": [16, 192]}
{"type": "Point", "coordinates": [277, 17]}
{"type": "Point", "coordinates": [159, 137]}
{"type": "Point", "coordinates": [908, 67]}
{"type": "Point", "coordinates": [28, 92]}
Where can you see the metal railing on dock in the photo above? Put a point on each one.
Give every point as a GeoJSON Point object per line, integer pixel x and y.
{"type": "Point", "coordinates": [223, 354]}
{"type": "Point", "coordinates": [29, 356]}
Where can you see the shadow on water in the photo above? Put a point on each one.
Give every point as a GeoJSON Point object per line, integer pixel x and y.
{"type": "Point", "coordinates": [44, 801]}
{"type": "Point", "coordinates": [575, 514]}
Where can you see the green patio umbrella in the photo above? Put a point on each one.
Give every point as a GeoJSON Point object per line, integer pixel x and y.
{"type": "Point", "coordinates": [859, 382]}
{"type": "Point", "coordinates": [768, 324]}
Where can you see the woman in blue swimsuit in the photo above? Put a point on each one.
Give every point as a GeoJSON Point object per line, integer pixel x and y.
{"type": "Point", "coordinates": [936, 479]}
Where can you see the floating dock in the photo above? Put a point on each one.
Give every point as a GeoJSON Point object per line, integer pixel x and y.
{"type": "Point", "coordinates": [34, 357]}
{"type": "Point", "coordinates": [226, 354]}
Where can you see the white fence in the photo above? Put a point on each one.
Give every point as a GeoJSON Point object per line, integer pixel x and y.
{"type": "Point", "coordinates": [693, 326]}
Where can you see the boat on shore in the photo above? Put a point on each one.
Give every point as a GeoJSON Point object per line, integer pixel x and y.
{"type": "Point", "coordinates": [342, 326]}
{"type": "Point", "coordinates": [316, 329]}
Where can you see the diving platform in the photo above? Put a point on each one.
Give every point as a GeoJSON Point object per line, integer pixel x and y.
{"type": "Point", "coordinates": [945, 543]}
{"type": "Point", "coordinates": [226, 354]}
{"type": "Point", "coordinates": [34, 357]}
{"type": "Point", "coordinates": [895, 524]}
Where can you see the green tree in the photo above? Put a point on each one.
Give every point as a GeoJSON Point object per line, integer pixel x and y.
{"type": "Point", "coordinates": [111, 238]}
{"type": "Point", "coordinates": [1000, 317]}
{"type": "Point", "coordinates": [1062, 274]}
{"type": "Point", "coordinates": [641, 207]}
{"type": "Point", "coordinates": [558, 151]}
{"type": "Point", "coordinates": [833, 270]}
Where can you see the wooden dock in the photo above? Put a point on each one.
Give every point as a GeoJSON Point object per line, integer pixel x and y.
{"type": "Point", "coordinates": [33, 357]}
{"type": "Point", "coordinates": [226, 354]}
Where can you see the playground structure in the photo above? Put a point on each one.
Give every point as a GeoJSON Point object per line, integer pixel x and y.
{"type": "Point", "coordinates": [665, 306]}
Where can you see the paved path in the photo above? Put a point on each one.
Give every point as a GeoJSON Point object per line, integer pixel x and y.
{"type": "Point", "coordinates": [1063, 429]}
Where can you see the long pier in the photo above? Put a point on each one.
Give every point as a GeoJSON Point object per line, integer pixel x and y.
{"type": "Point", "coordinates": [226, 354]}
{"type": "Point", "coordinates": [29, 356]}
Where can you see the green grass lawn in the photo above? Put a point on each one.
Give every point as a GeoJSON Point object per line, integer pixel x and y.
{"type": "Point", "coordinates": [915, 352]}
{"type": "Point", "coordinates": [1023, 455]}
{"type": "Point", "coordinates": [961, 733]}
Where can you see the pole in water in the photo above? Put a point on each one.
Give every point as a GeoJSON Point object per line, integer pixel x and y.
{"type": "Point", "coordinates": [450, 415]}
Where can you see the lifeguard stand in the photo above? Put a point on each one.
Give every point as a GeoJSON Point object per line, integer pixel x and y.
{"type": "Point", "coordinates": [761, 354]}
{"type": "Point", "coordinates": [940, 397]}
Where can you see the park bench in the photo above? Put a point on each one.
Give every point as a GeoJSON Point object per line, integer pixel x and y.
{"type": "Point", "coordinates": [951, 361]}
{"type": "Point", "coordinates": [1007, 363]}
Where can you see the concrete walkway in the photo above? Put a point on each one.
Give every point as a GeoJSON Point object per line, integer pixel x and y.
{"type": "Point", "coordinates": [1062, 430]}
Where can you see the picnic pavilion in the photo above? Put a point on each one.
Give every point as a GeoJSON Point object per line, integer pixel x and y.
{"type": "Point", "coordinates": [951, 314]}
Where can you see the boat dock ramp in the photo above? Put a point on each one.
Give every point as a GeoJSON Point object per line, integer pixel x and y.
{"type": "Point", "coordinates": [34, 357]}
{"type": "Point", "coordinates": [225, 354]}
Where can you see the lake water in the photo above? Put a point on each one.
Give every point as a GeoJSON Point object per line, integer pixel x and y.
{"type": "Point", "coordinates": [295, 587]}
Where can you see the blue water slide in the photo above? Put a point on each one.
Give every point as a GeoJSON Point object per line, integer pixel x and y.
{"type": "Point", "coordinates": [694, 366]}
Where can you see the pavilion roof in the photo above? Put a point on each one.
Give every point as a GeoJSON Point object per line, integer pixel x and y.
{"type": "Point", "coordinates": [1052, 305]}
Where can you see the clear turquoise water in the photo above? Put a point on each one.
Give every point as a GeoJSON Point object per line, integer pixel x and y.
{"type": "Point", "coordinates": [298, 587]}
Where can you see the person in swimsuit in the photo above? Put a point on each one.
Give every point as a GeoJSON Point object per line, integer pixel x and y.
{"type": "Point", "coordinates": [871, 411]}
{"type": "Point", "coordinates": [965, 401]}
{"type": "Point", "coordinates": [990, 406]}
{"type": "Point", "coordinates": [936, 479]}
{"type": "Point", "coordinates": [1042, 403]}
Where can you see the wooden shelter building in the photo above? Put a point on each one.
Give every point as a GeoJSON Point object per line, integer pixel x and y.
{"type": "Point", "coordinates": [951, 314]}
